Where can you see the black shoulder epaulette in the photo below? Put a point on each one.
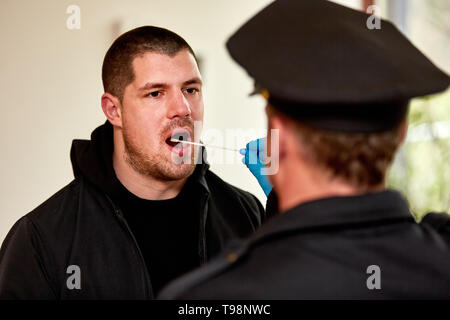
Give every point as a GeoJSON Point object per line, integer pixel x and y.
{"type": "Point", "coordinates": [438, 221]}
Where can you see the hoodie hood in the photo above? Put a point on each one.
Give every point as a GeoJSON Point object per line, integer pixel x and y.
{"type": "Point", "coordinates": [92, 160]}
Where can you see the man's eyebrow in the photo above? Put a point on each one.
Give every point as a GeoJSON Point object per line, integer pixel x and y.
{"type": "Point", "coordinates": [149, 86]}
{"type": "Point", "coordinates": [195, 80]}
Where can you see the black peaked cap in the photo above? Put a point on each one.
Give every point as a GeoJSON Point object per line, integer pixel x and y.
{"type": "Point", "coordinates": [320, 63]}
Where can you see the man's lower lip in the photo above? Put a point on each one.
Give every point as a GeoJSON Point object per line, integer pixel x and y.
{"type": "Point", "coordinates": [179, 151]}
{"type": "Point", "coordinates": [184, 146]}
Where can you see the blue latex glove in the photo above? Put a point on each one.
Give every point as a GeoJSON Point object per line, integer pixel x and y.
{"type": "Point", "coordinates": [251, 159]}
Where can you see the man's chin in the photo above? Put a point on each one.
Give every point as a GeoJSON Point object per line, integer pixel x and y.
{"type": "Point", "coordinates": [178, 171]}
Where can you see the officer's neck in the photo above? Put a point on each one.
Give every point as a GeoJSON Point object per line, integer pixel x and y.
{"type": "Point", "coordinates": [298, 182]}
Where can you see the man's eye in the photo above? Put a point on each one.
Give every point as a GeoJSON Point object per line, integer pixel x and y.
{"type": "Point", "coordinates": [191, 90]}
{"type": "Point", "coordinates": [154, 94]}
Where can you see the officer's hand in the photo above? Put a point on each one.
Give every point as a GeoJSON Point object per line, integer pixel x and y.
{"type": "Point", "coordinates": [252, 153]}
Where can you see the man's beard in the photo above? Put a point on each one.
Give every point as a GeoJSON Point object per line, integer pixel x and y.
{"type": "Point", "coordinates": [155, 165]}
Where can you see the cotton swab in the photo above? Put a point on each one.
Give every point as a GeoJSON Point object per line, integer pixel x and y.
{"type": "Point", "coordinates": [203, 145]}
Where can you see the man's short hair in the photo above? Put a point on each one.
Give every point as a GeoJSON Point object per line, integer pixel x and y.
{"type": "Point", "coordinates": [360, 159]}
{"type": "Point", "coordinates": [117, 69]}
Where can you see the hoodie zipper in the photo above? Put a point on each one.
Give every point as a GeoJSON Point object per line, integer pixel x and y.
{"type": "Point", "coordinates": [202, 229]}
{"type": "Point", "coordinates": [119, 215]}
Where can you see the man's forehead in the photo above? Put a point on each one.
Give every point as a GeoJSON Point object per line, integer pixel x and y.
{"type": "Point", "coordinates": [160, 62]}
{"type": "Point", "coordinates": [163, 84]}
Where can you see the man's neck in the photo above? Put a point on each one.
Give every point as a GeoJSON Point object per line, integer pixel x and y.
{"type": "Point", "coordinates": [145, 187]}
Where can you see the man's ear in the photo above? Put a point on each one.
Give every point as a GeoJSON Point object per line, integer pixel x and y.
{"type": "Point", "coordinates": [112, 109]}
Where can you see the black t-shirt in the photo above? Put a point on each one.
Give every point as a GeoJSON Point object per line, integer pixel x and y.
{"type": "Point", "coordinates": [166, 232]}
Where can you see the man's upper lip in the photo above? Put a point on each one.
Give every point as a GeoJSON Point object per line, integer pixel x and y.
{"type": "Point", "coordinates": [180, 130]}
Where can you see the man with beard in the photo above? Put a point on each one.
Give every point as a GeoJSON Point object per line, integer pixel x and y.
{"type": "Point", "coordinates": [140, 211]}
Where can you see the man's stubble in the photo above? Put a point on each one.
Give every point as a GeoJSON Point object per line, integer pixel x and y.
{"type": "Point", "coordinates": [154, 164]}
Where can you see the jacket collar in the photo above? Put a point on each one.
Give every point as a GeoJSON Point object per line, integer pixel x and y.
{"type": "Point", "coordinates": [368, 208]}
{"type": "Point", "coordinates": [199, 175]}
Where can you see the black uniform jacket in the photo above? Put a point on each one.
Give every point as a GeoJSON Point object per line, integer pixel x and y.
{"type": "Point", "coordinates": [360, 247]}
{"type": "Point", "coordinates": [80, 226]}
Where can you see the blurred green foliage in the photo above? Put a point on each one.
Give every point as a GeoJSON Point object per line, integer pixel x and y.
{"type": "Point", "coordinates": [421, 169]}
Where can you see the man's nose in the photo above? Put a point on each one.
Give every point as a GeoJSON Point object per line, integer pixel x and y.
{"type": "Point", "coordinates": [178, 106]}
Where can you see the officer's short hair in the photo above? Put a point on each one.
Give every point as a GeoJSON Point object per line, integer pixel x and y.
{"type": "Point", "coordinates": [360, 159]}
{"type": "Point", "coordinates": [117, 69]}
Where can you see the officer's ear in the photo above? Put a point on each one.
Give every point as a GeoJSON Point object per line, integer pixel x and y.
{"type": "Point", "coordinates": [112, 108]}
{"type": "Point", "coordinates": [403, 132]}
{"type": "Point", "coordinates": [277, 122]}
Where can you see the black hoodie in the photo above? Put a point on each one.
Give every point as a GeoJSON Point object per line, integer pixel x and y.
{"type": "Point", "coordinates": [79, 245]}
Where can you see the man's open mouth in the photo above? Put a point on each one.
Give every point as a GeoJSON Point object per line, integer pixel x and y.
{"type": "Point", "coordinates": [172, 143]}
{"type": "Point", "coordinates": [181, 135]}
